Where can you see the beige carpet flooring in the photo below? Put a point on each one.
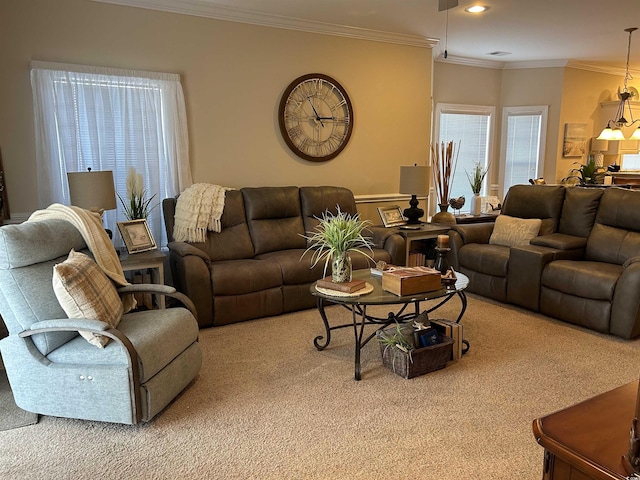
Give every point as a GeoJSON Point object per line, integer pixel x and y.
{"type": "Point", "coordinates": [267, 405]}
{"type": "Point", "coordinates": [11, 416]}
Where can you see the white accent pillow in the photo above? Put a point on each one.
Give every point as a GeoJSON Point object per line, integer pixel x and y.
{"type": "Point", "coordinates": [84, 291]}
{"type": "Point", "coordinates": [513, 231]}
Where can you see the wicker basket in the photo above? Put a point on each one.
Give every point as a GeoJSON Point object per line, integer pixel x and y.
{"type": "Point", "coordinates": [422, 360]}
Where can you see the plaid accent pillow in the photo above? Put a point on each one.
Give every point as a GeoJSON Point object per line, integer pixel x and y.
{"type": "Point", "coordinates": [84, 291]}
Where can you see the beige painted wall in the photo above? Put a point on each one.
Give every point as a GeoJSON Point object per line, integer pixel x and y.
{"type": "Point", "coordinates": [582, 93]}
{"type": "Point", "coordinates": [453, 83]}
{"type": "Point", "coordinates": [573, 96]}
{"type": "Point", "coordinates": [233, 76]}
{"type": "Point", "coordinates": [538, 86]}
{"type": "Point", "coordinates": [467, 85]}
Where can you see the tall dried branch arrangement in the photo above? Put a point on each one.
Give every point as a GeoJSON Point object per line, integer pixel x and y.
{"type": "Point", "coordinates": [444, 159]}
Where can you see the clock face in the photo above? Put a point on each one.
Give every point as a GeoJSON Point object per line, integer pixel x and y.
{"type": "Point", "coordinates": [316, 117]}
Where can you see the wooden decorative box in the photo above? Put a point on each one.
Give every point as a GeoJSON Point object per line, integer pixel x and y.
{"type": "Point", "coordinates": [409, 281]}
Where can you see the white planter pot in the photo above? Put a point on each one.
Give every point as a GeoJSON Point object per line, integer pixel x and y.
{"type": "Point", "coordinates": [476, 204]}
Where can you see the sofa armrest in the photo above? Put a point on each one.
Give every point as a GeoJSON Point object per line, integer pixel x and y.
{"type": "Point", "coordinates": [524, 275]}
{"type": "Point", "coordinates": [560, 241]}
{"type": "Point", "coordinates": [183, 249]}
{"type": "Point", "coordinates": [474, 232]}
{"type": "Point", "coordinates": [389, 240]}
{"type": "Point", "coordinates": [156, 289]}
{"type": "Point", "coordinates": [630, 262]}
{"type": "Point", "coordinates": [378, 234]}
{"type": "Point", "coordinates": [191, 272]}
{"type": "Point", "coordinates": [526, 263]}
{"type": "Point", "coordinates": [69, 324]}
{"type": "Point", "coordinates": [625, 308]}
{"type": "Point", "coordinates": [461, 235]}
{"type": "Point", "coordinates": [94, 326]}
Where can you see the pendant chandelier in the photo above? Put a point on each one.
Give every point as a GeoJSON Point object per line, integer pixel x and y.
{"type": "Point", "coordinates": [613, 129]}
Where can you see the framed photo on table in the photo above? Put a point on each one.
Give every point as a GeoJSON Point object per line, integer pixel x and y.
{"type": "Point", "coordinates": [391, 216]}
{"type": "Point", "coordinates": [137, 236]}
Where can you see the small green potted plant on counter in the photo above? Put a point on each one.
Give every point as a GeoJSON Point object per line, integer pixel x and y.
{"type": "Point", "coordinates": [332, 240]}
{"type": "Point", "coordinates": [585, 174]}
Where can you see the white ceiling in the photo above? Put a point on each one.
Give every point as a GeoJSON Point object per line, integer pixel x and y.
{"type": "Point", "coordinates": [542, 32]}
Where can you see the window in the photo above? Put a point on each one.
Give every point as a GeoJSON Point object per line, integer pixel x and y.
{"type": "Point", "coordinates": [470, 127]}
{"type": "Point", "coordinates": [523, 144]}
{"type": "Point", "coordinates": [108, 119]}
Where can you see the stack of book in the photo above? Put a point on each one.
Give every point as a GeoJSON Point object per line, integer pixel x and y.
{"type": "Point", "coordinates": [455, 331]}
{"type": "Point", "coordinates": [346, 287]}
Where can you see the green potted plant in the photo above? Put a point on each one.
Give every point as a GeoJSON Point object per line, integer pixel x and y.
{"type": "Point", "coordinates": [586, 174]}
{"type": "Point", "coordinates": [332, 240]}
{"type": "Point", "coordinates": [476, 177]}
{"type": "Point", "coordinates": [396, 341]}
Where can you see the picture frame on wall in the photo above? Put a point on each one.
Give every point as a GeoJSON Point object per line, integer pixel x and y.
{"type": "Point", "coordinates": [137, 236]}
{"type": "Point", "coordinates": [391, 216]}
{"type": "Point", "coordinates": [575, 140]}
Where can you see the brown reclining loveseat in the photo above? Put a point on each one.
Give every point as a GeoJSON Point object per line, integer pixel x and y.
{"type": "Point", "coordinates": [583, 267]}
{"type": "Point", "coordinates": [253, 267]}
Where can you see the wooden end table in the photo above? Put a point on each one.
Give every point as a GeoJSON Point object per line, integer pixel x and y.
{"type": "Point", "coordinates": [587, 441]}
{"type": "Point", "coordinates": [153, 260]}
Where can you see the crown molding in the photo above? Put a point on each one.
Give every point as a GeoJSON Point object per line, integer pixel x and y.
{"type": "Point", "coordinates": [471, 62]}
{"type": "Point", "coordinates": [498, 65]}
{"type": "Point", "coordinates": [536, 64]}
{"type": "Point", "coordinates": [474, 62]}
{"type": "Point", "coordinates": [601, 68]}
{"type": "Point", "coordinates": [206, 9]}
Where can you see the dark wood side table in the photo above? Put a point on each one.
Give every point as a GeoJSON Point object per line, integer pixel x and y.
{"type": "Point", "coordinates": [482, 218]}
{"type": "Point", "coordinates": [425, 232]}
{"type": "Point", "coordinates": [588, 440]}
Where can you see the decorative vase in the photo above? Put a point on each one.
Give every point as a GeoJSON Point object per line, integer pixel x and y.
{"type": "Point", "coordinates": [443, 216]}
{"type": "Point", "coordinates": [475, 207]}
{"type": "Point", "coordinates": [341, 268]}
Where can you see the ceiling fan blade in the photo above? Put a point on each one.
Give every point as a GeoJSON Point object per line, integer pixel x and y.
{"type": "Point", "coordinates": [446, 4]}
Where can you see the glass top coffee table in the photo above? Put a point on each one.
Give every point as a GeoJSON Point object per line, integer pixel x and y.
{"type": "Point", "coordinates": [377, 296]}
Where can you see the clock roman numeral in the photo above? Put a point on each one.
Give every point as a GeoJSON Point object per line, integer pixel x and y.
{"type": "Point", "coordinates": [295, 132]}
{"type": "Point", "coordinates": [342, 103]}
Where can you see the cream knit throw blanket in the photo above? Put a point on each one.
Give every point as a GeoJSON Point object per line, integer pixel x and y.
{"type": "Point", "coordinates": [198, 209]}
{"type": "Point", "coordinates": [89, 224]}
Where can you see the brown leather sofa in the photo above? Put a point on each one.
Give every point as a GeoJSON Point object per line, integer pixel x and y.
{"type": "Point", "coordinates": [582, 268]}
{"type": "Point", "coordinates": [253, 267]}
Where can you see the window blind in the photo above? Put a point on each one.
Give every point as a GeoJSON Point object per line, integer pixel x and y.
{"type": "Point", "coordinates": [109, 119]}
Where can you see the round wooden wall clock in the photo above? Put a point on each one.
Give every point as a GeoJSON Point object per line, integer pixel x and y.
{"type": "Point", "coordinates": [315, 117]}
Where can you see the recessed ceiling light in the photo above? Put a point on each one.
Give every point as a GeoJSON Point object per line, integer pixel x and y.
{"type": "Point", "coordinates": [476, 9]}
{"type": "Point", "coordinates": [499, 53]}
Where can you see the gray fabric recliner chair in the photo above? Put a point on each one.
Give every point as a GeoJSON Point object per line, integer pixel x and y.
{"type": "Point", "coordinates": [152, 356]}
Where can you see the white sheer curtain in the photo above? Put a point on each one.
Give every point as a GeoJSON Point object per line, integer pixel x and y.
{"type": "Point", "coordinates": [110, 119]}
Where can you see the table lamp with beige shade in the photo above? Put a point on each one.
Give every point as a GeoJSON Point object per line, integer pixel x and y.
{"type": "Point", "coordinates": [92, 191]}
